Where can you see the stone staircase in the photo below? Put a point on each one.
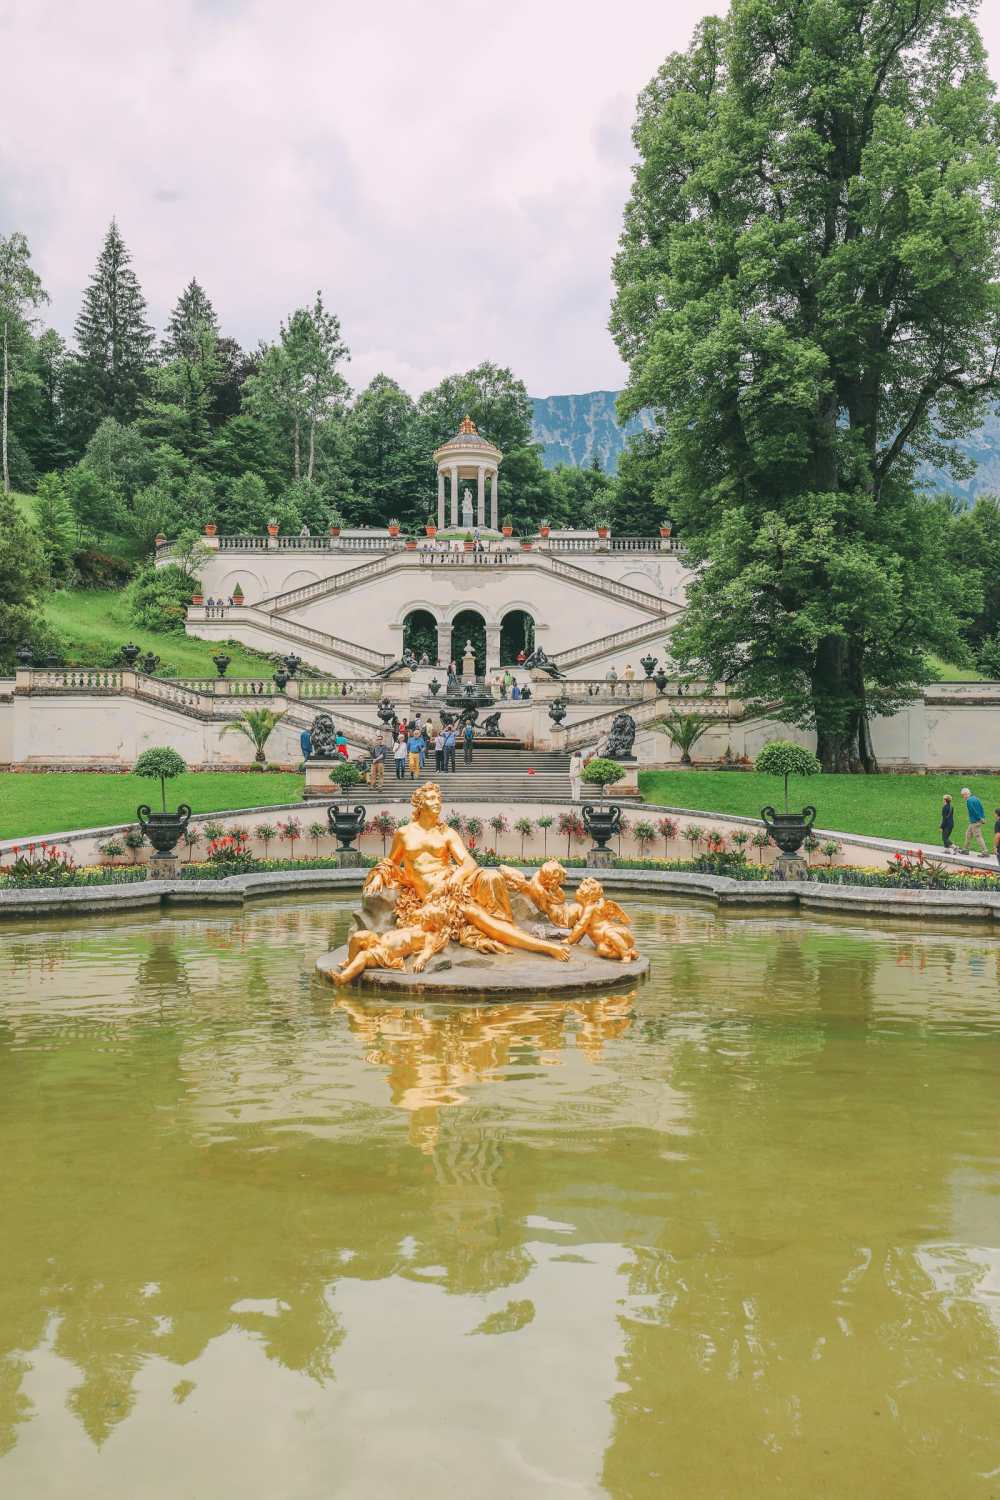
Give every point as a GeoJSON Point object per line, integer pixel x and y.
{"type": "Point", "coordinates": [504, 774]}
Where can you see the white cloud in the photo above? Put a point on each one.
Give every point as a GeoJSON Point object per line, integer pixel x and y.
{"type": "Point", "coordinates": [452, 175]}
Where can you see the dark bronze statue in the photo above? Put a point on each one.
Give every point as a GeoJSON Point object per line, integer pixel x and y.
{"type": "Point", "coordinates": [539, 662]}
{"type": "Point", "coordinates": [621, 739]}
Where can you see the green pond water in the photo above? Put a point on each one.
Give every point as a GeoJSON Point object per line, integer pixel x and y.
{"type": "Point", "coordinates": [737, 1233]}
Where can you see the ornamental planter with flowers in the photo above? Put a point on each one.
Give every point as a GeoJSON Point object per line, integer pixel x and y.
{"type": "Point", "coordinates": [665, 528]}
{"type": "Point", "coordinates": [210, 528]}
{"type": "Point", "coordinates": [603, 529]}
{"type": "Point", "coordinates": [787, 829]}
{"type": "Point", "coordinates": [544, 528]}
{"type": "Point", "coordinates": [430, 528]}
{"type": "Point", "coordinates": [393, 527]}
{"type": "Point", "coordinates": [162, 829]}
{"type": "Point", "coordinates": [507, 528]}
{"type": "Point", "coordinates": [197, 598]}
{"type": "Point", "coordinates": [411, 544]}
{"type": "Point", "coordinates": [237, 595]}
{"type": "Point", "coordinates": [334, 530]}
{"type": "Point", "coordinates": [525, 544]}
{"type": "Point", "coordinates": [272, 528]}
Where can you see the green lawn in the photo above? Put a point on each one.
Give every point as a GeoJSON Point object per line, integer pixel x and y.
{"type": "Point", "coordinates": [58, 803]}
{"type": "Point", "coordinates": [93, 623]}
{"type": "Point", "coordinates": [891, 807]}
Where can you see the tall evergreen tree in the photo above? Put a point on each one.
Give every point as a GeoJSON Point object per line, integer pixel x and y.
{"type": "Point", "coordinates": [114, 339]}
{"type": "Point", "coordinates": [809, 297]}
{"type": "Point", "coordinates": [192, 317]}
{"type": "Point", "coordinates": [20, 292]}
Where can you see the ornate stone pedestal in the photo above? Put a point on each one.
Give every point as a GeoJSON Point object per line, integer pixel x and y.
{"type": "Point", "coordinates": [790, 867]}
{"type": "Point", "coordinates": [163, 867]}
{"type": "Point", "coordinates": [349, 859]}
{"type": "Point", "coordinates": [600, 859]}
{"type": "Point", "coordinates": [318, 783]}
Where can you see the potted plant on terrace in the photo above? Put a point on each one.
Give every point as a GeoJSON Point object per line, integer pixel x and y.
{"type": "Point", "coordinates": [666, 528]}
{"type": "Point", "coordinates": [393, 526]}
{"type": "Point", "coordinates": [273, 528]}
{"type": "Point", "coordinates": [237, 595]}
{"type": "Point", "coordinates": [411, 544]}
{"type": "Point", "coordinates": [431, 528]}
{"type": "Point", "coordinates": [162, 829]}
{"type": "Point", "coordinates": [684, 731]}
{"type": "Point", "coordinates": [210, 528]}
{"type": "Point", "coordinates": [507, 526]}
{"type": "Point", "coordinates": [544, 528]}
{"type": "Point", "coordinates": [467, 542]}
{"type": "Point", "coordinates": [603, 528]}
{"type": "Point", "coordinates": [783, 758]}
{"type": "Point", "coordinates": [257, 725]}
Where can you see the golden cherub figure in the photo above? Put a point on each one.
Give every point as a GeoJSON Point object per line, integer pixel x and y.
{"type": "Point", "coordinates": [426, 935]}
{"type": "Point", "coordinates": [604, 922]}
{"type": "Point", "coordinates": [545, 890]}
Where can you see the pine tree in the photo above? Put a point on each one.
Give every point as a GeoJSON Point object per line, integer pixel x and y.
{"type": "Point", "coordinates": [56, 525]}
{"type": "Point", "coordinates": [20, 292]}
{"type": "Point", "coordinates": [114, 338]}
{"type": "Point", "coordinates": [193, 316]}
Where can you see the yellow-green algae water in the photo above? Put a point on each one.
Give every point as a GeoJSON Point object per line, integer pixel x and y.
{"type": "Point", "coordinates": [734, 1235]}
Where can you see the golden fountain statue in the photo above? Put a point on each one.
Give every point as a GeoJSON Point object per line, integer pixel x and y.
{"type": "Point", "coordinates": [429, 892]}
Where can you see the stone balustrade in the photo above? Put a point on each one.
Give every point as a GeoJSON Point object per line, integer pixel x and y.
{"type": "Point", "coordinates": [381, 541]}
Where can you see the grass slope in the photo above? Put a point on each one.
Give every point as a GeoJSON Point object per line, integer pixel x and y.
{"type": "Point", "coordinates": [59, 803]}
{"type": "Point", "coordinates": [93, 623]}
{"type": "Point", "coordinates": [890, 807]}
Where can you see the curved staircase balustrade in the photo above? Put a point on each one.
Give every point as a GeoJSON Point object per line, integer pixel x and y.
{"type": "Point", "coordinates": [601, 645]}
{"type": "Point", "coordinates": [295, 631]}
{"type": "Point", "coordinates": [585, 731]}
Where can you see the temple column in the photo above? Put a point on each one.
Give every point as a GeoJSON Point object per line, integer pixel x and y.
{"type": "Point", "coordinates": [481, 497]}
{"type": "Point", "coordinates": [454, 495]}
{"type": "Point", "coordinates": [495, 501]}
{"type": "Point", "coordinates": [440, 499]}
{"type": "Point", "coordinates": [492, 647]}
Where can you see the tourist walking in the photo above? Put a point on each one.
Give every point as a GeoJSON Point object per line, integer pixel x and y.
{"type": "Point", "coordinates": [628, 676]}
{"type": "Point", "coordinates": [413, 745]}
{"type": "Point", "coordinates": [439, 751]}
{"type": "Point", "coordinates": [399, 757]}
{"type": "Point", "coordinates": [947, 820]}
{"type": "Point", "coordinates": [306, 744]}
{"type": "Point", "coordinates": [340, 745]}
{"type": "Point", "coordinates": [996, 832]}
{"type": "Point", "coordinates": [515, 692]}
{"type": "Point", "coordinates": [449, 748]}
{"type": "Point", "coordinates": [977, 817]}
{"type": "Point", "coordinates": [377, 777]}
{"type": "Point", "coordinates": [468, 735]}
{"type": "Point", "coordinates": [505, 685]}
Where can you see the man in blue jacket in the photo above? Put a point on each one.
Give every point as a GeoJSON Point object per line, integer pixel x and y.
{"type": "Point", "coordinates": [977, 817]}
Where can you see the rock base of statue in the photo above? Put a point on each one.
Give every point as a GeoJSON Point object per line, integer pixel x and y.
{"type": "Point", "coordinates": [462, 973]}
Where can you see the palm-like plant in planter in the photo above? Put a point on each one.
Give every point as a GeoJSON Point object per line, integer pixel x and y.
{"type": "Point", "coordinates": [784, 758]}
{"type": "Point", "coordinates": [162, 829]}
{"type": "Point", "coordinates": [684, 731]}
{"type": "Point", "coordinates": [257, 724]}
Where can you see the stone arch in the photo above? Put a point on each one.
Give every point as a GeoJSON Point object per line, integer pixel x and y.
{"type": "Point", "coordinates": [451, 612]}
{"type": "Point", "coordinates": [299, 579]}
{"type": "Point", "coordinates": [408, 608]}
{"type": "Point", "coordinates": [469, 624]}
{"type": "Point", "coordinates": [420, 633]}
{"type": "Point", "coordinates": [517, 633]}
{"type": "Point", "coordinates": [253, 589]}
{"type": "Point", "coordinates": [646, 578]}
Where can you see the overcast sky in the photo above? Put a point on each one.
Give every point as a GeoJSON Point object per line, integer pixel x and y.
{"type": "Point", "coordinates": [451, 174]}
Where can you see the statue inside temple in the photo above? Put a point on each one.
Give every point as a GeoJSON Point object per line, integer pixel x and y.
{"type": "Point", "coordinates": [468, 515]}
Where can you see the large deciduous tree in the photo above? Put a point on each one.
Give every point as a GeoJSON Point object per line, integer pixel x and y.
{"type": "Point", "coordinates": [114, 341]}
{"type": "Point", "coordinates": [807, 296]}
{"type": "Point", "coordinates": [20, 293]}
{"type": "Point", "coordinates": [297, 387]}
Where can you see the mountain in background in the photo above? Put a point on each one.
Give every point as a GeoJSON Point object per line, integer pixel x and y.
{"type": "Point", "coordinates": [572, 429]}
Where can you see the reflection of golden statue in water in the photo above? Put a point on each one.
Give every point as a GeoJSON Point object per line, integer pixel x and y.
{"type": "Point", "coordinates": [429, 892]}
{"type": "Point", "coordinates": [430, 1060]}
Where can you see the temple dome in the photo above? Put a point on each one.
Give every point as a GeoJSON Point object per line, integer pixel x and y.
{"type": "Point", "coordinates": [466, 439]}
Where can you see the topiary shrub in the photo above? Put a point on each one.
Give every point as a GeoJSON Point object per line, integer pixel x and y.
{"type": "Point", "coordinates": [602, 772]}
{"type": "Point", "coordinates": [784, 758]}
{"type": "Point", "coordinates": [345, 776]}
{"type": "Point", "coordinates": [162, 764]}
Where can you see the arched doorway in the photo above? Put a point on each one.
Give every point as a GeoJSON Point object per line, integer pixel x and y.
{"type": "Point", "coordinates": [469, 625]}
{"type": "Point", "coordinates": [517, 633]}
{"type": "Point", "coordinates": [420, 635]}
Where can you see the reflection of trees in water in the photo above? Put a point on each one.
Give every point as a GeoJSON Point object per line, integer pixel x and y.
{"type": "Point", "coordinates": [144, 1243]}
{"type": "Point", "coordinates": [790, 1298]}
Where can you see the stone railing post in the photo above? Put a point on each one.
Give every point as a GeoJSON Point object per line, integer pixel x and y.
{"type": "Point", "coordinates": [23, 679]}
{"type": "Point", "coordinates": [648, 689]}
{"type": "Point", "coordinates": [292, 688]}
{"type": "Point", "coordinates": [130, 681]}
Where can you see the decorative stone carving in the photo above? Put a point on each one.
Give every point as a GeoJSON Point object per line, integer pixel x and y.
{"type": "Point", "coordinates": [491, 726]}
{"type": "Point", "coordinates": [621, 739]}
{"type": "Point", "coordinates": [324, 738]}
{"type": "Point", "coordinates": [539, 662]}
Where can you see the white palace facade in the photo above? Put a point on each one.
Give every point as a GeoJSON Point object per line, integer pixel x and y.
{"type": "Point", "coordinates": [373, 614]}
